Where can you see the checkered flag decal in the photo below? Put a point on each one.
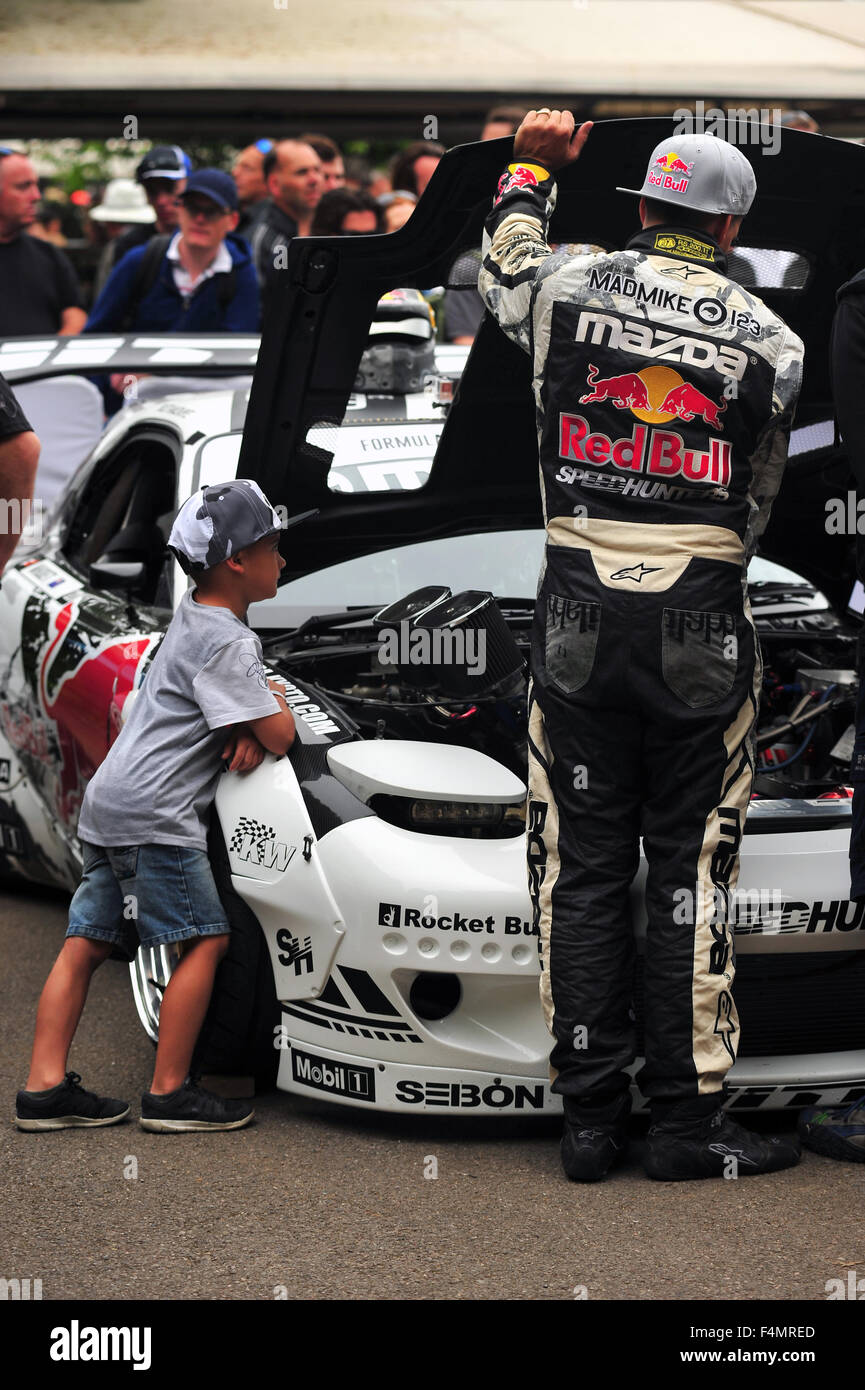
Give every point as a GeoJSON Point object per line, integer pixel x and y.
{"type": "Point", "coordinates": [259, 832]}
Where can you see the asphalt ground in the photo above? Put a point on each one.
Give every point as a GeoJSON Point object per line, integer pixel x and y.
{"type": "Point", "coordinates": [321, 1202]}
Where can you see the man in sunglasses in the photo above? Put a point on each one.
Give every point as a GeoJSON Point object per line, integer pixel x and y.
{"type": "Point", "coordinates": [162, 174]}
{"type": "Point", "coordinates": [199, 279]}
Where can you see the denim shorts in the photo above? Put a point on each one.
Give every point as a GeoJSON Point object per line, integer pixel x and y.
{"type": "Point", "coordinates": [145, 895]}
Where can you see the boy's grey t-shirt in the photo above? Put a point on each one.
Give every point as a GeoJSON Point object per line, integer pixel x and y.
{"type": "Point", "coordinates": [159, 778]}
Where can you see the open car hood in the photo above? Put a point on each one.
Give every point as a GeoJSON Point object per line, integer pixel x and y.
{"type": "Point", "coordinates": [811, 199]}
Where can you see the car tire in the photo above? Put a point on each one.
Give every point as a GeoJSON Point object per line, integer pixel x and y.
{"type": "Point", "coordinates": [237, 1037]}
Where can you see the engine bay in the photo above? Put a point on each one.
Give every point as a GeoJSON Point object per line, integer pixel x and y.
{"type": "Point", "coordinates": [383, 668]}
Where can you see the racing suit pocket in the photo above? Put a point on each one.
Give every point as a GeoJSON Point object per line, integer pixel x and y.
{"type": "Point", "coordinates": [699, 655]}
{"type": "Point", "coordinates": [572, 628]}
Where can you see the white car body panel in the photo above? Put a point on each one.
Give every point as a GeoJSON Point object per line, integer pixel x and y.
{"type": "Point", "coordinates": [330, 896]}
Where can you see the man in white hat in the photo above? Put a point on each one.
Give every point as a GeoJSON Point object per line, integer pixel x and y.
{"type": "Point", "coordinates": [665, 397]}
{"type": "Point", "coordinates": [124, 205]}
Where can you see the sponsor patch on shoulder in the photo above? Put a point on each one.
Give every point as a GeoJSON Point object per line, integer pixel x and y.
{"type": "Point", "coordinates": [521, 176]}
{"type": "Point", "coordinates": [677, 245]}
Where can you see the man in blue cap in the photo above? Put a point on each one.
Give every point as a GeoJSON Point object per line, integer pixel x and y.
{"type": "Point", "coordinates": [198, 279]}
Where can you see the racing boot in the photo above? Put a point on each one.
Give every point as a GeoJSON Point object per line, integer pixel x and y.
{"type": "Point", "coordinates": [837, 1133]}
{"type": "Point", "coordinates": [697, 1139]}
{"type": "Point", "coordinates": [595, 1136]}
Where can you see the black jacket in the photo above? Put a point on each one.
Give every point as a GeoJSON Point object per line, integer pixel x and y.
{"type": "Point", "coordinates": [269, 239]}
{"type": "Point", "coordinates": [848, 384]}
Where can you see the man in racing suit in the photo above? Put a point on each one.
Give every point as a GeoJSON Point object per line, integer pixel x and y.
{"type": "Point", "coordinates": [665, 396]}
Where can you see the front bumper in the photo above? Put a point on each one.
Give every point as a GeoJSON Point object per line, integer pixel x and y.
{"type": "Point", "coordinates": [765, 1083]}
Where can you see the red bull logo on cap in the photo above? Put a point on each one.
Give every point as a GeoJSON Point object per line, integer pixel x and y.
{"type": "Point", "coordinates": [670, 172]}
{"type": "Point", "coordinates": [672, 164]}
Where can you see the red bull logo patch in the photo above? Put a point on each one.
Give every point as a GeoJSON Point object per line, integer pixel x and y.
{"type": "Point", "coordinates": [670, 172]}
{"type": "Point", "coordinates": [672, 164]}
{"type": "Point", "coordinates": [520, 176]}
{"type": "Point", "coordinates": [655, 395]}
{"type": "Point", "coordinates": [656, 453]}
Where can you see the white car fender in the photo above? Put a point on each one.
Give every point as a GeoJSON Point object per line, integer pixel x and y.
{"type": "Point", "coordinates": [273, 855]}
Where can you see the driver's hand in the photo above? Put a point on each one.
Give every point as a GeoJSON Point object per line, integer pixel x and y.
{"type": "Point", "coordinates": [242, 750]}
{"type": "Point", "coordinates": [550, 138]}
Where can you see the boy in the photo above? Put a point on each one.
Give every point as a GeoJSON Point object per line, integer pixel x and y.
{"type": "Point", "coordinates": [142, 823]}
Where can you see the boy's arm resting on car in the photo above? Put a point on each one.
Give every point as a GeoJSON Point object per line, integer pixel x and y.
{"type": "Point", "coordinates": [275, 731]}
{"type": "Point", "coordinates": [242, 751]}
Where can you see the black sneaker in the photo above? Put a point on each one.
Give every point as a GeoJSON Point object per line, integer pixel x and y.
{"type": "Point", "coordinates": [836, 1133]}
{"type": "Point", "coordinates": [595, 1138]}
{"type": "Point", "coordinates": [66, 1106]}
{"type": "Point", "coordinates": [679, 1148]}
{"type": "Point", "coordinates": [192, 1108]}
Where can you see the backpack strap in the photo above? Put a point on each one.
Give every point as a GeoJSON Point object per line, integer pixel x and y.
{"type": "Point", "coordinates": [227, 287]}
{"type": "Point", "coordinates": [145, 279]}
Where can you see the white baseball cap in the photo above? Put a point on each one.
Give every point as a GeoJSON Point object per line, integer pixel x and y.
{"type": "Point", "coordinates": [702, 172]}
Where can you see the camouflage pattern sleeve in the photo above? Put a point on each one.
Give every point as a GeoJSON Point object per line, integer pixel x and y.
{"type": "Point", "coordinates": [515, 247]}
{"type": "Point", "coordinates": [769, 458]}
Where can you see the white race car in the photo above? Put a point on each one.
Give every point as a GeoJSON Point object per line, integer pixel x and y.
{"type": "Point", "coordinates": [383, 951]}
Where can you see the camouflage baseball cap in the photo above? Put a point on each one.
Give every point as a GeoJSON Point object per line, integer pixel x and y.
{"type": "Point", "coordinates": [702, 172]}
{"type": "Point", "coordinates": [219, 520]}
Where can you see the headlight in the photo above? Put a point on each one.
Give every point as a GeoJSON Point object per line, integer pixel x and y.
{"type": "Point", "coordinates": [471, 819]}
{"type": "Point", "coordinates": [429, 815]}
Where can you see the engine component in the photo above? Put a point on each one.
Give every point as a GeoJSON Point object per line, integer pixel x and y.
{"type": "Point", "coordinates": [473, 649]}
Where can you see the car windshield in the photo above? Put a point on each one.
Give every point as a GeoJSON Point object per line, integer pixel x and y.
{"type": "Point", "coordinates": [505, 563]}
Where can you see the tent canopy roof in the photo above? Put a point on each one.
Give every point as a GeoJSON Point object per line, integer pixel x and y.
{"type": "Point", "coordinates": [721, 48]}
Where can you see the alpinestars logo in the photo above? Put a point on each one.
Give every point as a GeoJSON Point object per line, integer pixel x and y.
{"type": "Point", "coordinates": [636, 572]}
{"type": "Point", "coordinates": [727, 1152]}
{"type": "Point", "coordinates": [257, 843]}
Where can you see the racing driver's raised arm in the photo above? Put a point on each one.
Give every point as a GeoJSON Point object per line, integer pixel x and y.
{"type": "Point", "coordinates": [515, 244]}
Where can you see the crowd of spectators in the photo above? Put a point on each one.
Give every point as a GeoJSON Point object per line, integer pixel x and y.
{"type": "Point", "coordinates": [178, 249]}
{"type": "Point", "coordinates": [200, 250]}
